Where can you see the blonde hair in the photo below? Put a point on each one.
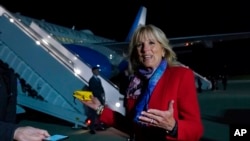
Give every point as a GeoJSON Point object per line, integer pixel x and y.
{"type": "Point", "coordinates": [149, 31]}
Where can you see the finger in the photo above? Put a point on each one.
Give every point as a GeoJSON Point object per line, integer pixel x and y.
{"type": "Point", "coordinates": [154, 114]}
{"type": "Point", "coordinates": [147, 120]}
{"type": "Point", "coordinates": [42, 132]}
{"type": "Point", "coordinates": [85, 102]}
{"type": "Point", "coordinates": [154, 111]}
{"type": "Point", "coordinates": [171, 106]}
{"type": "Point", "coordinates": [152, 121]}
{"type": "Point", "coordinates": [46, 133]}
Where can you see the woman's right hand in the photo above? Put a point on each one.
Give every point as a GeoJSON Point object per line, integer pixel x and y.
{"type": "Point", "coordinates": [94, 103]}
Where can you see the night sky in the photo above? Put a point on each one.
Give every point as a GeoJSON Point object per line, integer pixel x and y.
{"type": "Point", "coordinates": [113, 19]}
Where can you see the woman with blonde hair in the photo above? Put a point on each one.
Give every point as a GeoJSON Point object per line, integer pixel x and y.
{"type": "Point", "coordinates": [162, 102]}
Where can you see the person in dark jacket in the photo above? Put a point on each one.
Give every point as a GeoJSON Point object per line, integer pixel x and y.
{"type": "Point", "coordinates": [9, 130]}
{"type": "Point", "coordinates": [95, 85]}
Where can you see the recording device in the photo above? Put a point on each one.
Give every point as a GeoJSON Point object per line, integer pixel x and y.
{"type": "Point", "coordinates": [83, 95]}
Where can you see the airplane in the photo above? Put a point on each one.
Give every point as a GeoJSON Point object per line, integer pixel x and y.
{"type": "Point", "coordinates": [72, 53]}
{"type": "Point", "coordinates": [55, 61]}
{"type": "Point", "coordinates": [85, 44]}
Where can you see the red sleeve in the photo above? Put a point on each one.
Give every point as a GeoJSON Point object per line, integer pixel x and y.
{"type": "Point", "coordinates": [114, 119]}
{"type": "Point", "coordinates": [107, 116]}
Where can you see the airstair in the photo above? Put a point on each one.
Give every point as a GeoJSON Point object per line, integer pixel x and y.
{"type": "Point", "coordinates": [50, 69]}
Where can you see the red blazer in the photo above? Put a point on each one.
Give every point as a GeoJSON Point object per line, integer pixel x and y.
{"type": "Point", "coordinates": [178, 84]}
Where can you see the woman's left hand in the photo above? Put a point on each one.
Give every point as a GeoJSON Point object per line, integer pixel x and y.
{"type": "Point", "coordinates": [158, 118]}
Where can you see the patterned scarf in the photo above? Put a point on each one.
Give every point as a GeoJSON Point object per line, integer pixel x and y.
{"type": "Point", "coordinates": [146, 90]}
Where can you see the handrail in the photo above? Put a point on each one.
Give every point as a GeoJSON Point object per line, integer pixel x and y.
{"type": "Point", "coordinates": [39, 39]}
{"type": "Point", "coordinates": [69, 60]}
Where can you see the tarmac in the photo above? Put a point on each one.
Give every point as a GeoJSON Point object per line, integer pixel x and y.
{"type": "Point", "coordinates": [217, 108]}
{"type": "Point", "coordinates": [58, 126]}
